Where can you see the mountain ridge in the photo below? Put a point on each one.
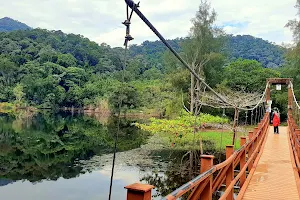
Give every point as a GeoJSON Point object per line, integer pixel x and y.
{"type": "Point", "coordinates": [8, 24]}
{"type": "Point", "coordinates": [270, 55]}
{"type": "Point", "coordinates": [267, 53]}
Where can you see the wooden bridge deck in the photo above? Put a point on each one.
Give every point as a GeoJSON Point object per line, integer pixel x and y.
{"type": "Point", "coordinates": [274, 176]}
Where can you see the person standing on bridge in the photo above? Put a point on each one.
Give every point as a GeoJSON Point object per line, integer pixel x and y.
{"type": "Point", "coordinates": [276, 122]}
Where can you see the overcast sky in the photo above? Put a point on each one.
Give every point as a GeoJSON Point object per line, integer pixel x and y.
{"type": "Point", "coordinates": [100, 20]}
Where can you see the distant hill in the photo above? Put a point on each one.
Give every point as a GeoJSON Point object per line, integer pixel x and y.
{"type": "Point", "coordinates": [249, 47]}
{"type": "Point", "coordinates": [240, 46]}
{"type": "Point", "coordinates": [7, 24]}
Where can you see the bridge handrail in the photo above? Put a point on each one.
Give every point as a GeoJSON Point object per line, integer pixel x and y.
{"type": "Point", "coordinates": [294, 97]}
{"type": "Point", "coordinates": [252, 148]}
{"type": "Point", "coordinates": [294, 136]}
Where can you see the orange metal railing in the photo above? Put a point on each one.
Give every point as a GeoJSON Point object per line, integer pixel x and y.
{"type": "Point", "coordinates": [213, 177]}
{"type": "Point", "coordinates": [294, 136]}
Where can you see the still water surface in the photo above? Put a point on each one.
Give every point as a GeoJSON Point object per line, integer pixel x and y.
{"type": "Point", "coordinates": [69, 157]}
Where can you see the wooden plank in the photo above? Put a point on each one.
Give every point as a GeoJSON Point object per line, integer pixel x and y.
{"type": "Point", "coordinates": [274, 177]}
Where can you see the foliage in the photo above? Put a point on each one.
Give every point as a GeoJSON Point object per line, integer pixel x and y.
{"type": "Point", "coordinates": [268, 54]}
{"type": "Point", "coordinates": [18, 92]}
{"type": "Point", "coordinates": [182, 128]}
{"type": "Point", "coordinates": [49, 146]}
{"type": "Point", "coordinates": [125, 96]}
{"type": "Point", "coordinates": [247, 75]}
{"type": "Point", "coordinates": [6, 107]}
{"type": "Point", "coordinates": [54, 69]}
{"type": "Point", "coordinates": [291, 68]}
{"type": "Point", "coordinates": [50, 69]}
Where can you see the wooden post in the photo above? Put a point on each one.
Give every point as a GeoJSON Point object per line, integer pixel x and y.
{"type": "Point", "coordinates": [256, 139]}
{"type": "Point", "coordinates": [207, 162]}
{"type": "Point", "coordinates": [250, 151]}
{"type": "Point", "coordinates": [255, 131]}
{"type": "Point", "coordinates": [295, 142]}
{"type": "Point", "coordinates": [236, 118]}
{"type": "Point", "coordinates": [243, 162]}
{"type": "Point", "coordinates": [250, 135]}
{"type": "Point", "coordinates": [138, 191]}
{"type": "Point", "coordinates": [290, 99]}
{"type": "Point", "coordinates": [230, 171]}
{"type": "Point", "coordinates": [268, 92]}
{"type": "Point", "coordinates": [259, 125]}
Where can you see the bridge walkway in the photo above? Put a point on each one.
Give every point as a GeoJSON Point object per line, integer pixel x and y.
{"type": "Point", "coordinates": [274, 177]}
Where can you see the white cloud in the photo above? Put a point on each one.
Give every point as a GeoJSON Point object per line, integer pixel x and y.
{"type": "Point", "coordinates": [100, 20]}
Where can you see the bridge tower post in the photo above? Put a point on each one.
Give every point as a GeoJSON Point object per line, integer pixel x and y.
{"type": "Point", "coordinates": [290, 98]}
{"type": "Point", "coordinates": [250, 150]}
{"type": "Point", "coordinates": [268, 92]}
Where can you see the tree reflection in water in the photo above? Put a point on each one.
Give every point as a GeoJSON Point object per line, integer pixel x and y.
{"type": "Point", "coordinates": [49, 146]}
{"type": "Point", "coordinates": [181, 167]}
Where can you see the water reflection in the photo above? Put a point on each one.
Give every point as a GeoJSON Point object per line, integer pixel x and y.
{"type": "Point", "coordinates": [175, 168]}
{"type": "Point", "coordinates": [49, 146]}
{"type": "Point", "coordinates": [68, 157]}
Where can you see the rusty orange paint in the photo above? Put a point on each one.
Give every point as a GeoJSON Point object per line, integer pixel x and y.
{"type": "Point", "coordinates": [138, 191]}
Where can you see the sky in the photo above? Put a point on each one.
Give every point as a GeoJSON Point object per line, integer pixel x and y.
{"type": "Point", "coordinates": [100, 20]}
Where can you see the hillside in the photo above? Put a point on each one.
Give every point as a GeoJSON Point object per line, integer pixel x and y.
{"type": "Point", "coordinates": [53, 68]}
{"type": "Point", "coordinates": [249, 47]}
{"type": "Point", "coordinates": [7, 24]}
{"type": "Point", "coordinates": [49, 69]}
{"type": "Point", "coordinates": [245, 46]}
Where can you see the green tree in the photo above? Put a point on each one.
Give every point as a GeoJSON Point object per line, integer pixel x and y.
{"type": "Point", "coordinates": [248, 75]}
{"type": "Point", "coordinates": [18, 92]}
{"type": "Point", "coordinates": [152, 73]}
{"type": "Point", "coordinates": [66, 60]}
{"type": "Point", "coordinates": [7, 71]}
{"type": "Point", "coordinates": [205, 38]}
{"type": "Point", "coordinates": [125, 94]}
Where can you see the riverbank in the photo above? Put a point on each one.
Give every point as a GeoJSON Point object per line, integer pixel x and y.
{"type": "Point", "coordinates": [6, 107]}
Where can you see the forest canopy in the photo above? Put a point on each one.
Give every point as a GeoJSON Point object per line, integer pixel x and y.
{"type": "Point", "coordinates": [51, 69]}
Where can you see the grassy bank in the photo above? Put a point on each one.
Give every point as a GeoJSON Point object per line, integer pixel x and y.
{"type": "Point", "coordinates": [189, 132]}
{"type": "Point", "coordinates": [7, 107]}
{"type": "Point", "coordinates": [211, 139]}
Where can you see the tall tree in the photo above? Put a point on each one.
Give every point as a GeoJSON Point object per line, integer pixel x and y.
{"type": "Point", "coordinates": [198, 49]}
{"type": "Point", "coordinates": [293, 59]}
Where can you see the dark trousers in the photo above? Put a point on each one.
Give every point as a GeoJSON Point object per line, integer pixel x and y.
{"type": "Point", "coordinates": [276, 129]}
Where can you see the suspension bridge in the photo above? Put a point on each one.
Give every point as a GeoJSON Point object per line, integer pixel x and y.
{"type": "Point", "coordinates": [266, 166]}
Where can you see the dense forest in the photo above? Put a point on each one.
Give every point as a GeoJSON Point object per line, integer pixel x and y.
{"type": "Point", "coordinates": [240, 46]}
{"type": "Point", "coordinates": [51, 69]}
{"type": "Point", "coordinates": [48, 146]}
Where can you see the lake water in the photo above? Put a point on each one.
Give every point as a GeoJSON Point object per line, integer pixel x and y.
{"type": "Point", "coordinates": [69, 157]}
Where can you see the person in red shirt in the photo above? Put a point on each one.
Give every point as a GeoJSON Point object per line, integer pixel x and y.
{"type": "Point", "coordinates": [276, 122]}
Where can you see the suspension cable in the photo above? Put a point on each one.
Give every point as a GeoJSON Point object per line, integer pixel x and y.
{"type": "Point", "coordinates": [127, 39]}
{"type": "Point", "coordinates": [294, 97]}
{"type": "Point", "coordinates": [246, 120]}
{"type": "Point", "coordinates": [134, 8]}
{"type": "Point", "coordinates": [251, 117]}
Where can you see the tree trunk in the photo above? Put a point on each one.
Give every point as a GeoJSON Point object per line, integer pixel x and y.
{"type": "Point", "coordinates": [235, 122]}
{"type": "Point", "coordinates": [192, 104]}
{"type": "Point", "coordinates": [191, 164]}
{"type": "Point", "coordinates": [197, 91]}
